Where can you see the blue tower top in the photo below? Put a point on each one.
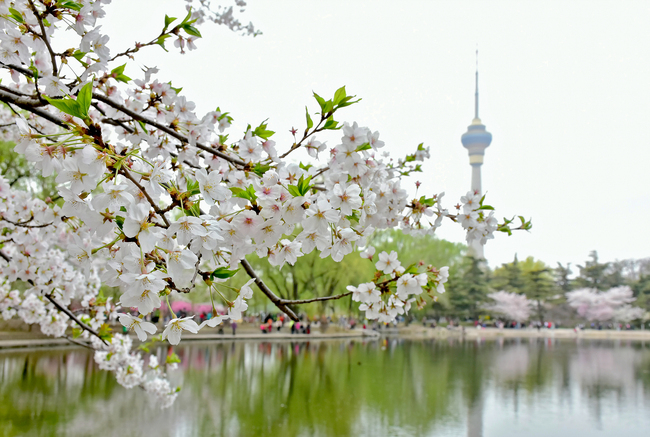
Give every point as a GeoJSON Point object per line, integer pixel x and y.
{"type": "Point", "coordinates": [477, 138]}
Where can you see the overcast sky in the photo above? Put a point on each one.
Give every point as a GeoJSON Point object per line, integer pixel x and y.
{"type": "Point", "coordinates": [564, 90]}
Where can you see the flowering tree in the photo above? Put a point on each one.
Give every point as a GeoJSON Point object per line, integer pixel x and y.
{"type": "Point", "coordinates": [513, 306]}
{"type": "Point", "coordinates": [155, 198]}
{"type": "Point", "coordinates": [614, 304]}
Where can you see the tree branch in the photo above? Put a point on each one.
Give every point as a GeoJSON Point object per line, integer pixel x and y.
{"type": "Point", "coordinates": [267, 291]}
{"type": "Point", "coordinates": [315, 299]}
{"type": "Point", "coordinates": [44, 37]}
{"type": "Point", "coordinates": [126, 174]}
{"type": "Point", "coordinates": [70, 314]}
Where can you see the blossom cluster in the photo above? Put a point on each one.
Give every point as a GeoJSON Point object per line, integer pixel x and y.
{"type": "Point", "coordinates": [156, 198]}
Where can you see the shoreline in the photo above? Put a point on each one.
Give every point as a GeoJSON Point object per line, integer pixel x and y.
{"type": "Point", "coordinates": [410, 332]}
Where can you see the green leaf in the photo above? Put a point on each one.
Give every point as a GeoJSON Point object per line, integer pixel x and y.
{"type": "Point", "coordinates": [348, 101]}
{"type": "Point", "coordinates": [294, 190]}
{"type": "Point", "coordinates": [84, 98]}
{"type": "Point", "coordinates": [118, 74]}
{"type": "Point", "coordinates": [68, 106]}
{"type": "Point", "coordinates": [331, 124]}
{"type": "Point", "coordinates": [172, 358]}
{"type": "Point", "coordinates": [168, 20]}
{"type": "Point", "coordinates": [78, 55]}
{"type": "Point", "coordinates": [192, 188]}
{"type": "Point", "coordinates": [412, 269]}
{"type": "Point", "coordinates": [365, 146]}
{"type": "Point", "coordinates": [16, 15]}
{"type": "Point", "coordinates": [339, 95]}
{"type": "Point", "coordinates": [223, 273]}
{"type": "Point", "coordinates": [70, 5]}
{"type": "Point", "coordinates": [260, 169]}
{"type": "Point", "coordinates": [487, 207]}
{"type": "Point", "coordinates": [320, 100]}
{"type": "Point", "coordinates": [187, 17]}
{"type": "Point", "coordinates": [303, 185]}
{"type": "Point", "coordinates": [195, 210]}
{"type": "Point", "coordinates": [310, 123]}
{"type": "Point", "coordinates": [161, 41]}
{"type": "Point", "coordinates": [261, 132]}
{"type": "Point", "coordinates": [191, 30]}
{"type": "Point", "coordinates": [105, 332]}
{"type": "Point", "coordinates": [120, 222]}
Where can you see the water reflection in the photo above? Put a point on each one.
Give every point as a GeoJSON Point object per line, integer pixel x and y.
{"type": "Point", "coordinates": [340, 388]}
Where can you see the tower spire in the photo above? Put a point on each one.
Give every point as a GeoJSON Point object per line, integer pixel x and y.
{"type": "Point", "coordinates": [476, 92]}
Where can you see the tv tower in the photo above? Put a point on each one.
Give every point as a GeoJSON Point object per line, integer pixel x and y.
{"type": "Point", "coordinates": [476, 140]}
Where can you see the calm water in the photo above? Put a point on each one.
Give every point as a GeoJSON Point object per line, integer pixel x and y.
{"type": "Point", "coordinates": [515, 387]}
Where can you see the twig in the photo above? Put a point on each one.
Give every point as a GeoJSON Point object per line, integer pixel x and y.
{"type": "Point", "coordinates": [24, 224]}
{"type": "Point", "coordinates": [126, 174]}
{"type": "Point", "coordinates": [315, 299]}
{"type": "Point", "coordinates": [267, 291]}
{"type": "Point", "coordinates": [44, 37]}
{"type": "Point", "coordinates": [73, 317]}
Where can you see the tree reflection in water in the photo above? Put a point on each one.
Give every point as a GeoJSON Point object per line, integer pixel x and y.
{"type": "Point", "coordinates": [333, 388]}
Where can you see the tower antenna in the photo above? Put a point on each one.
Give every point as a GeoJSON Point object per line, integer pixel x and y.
{"type": "Point", "coordinates": [476, 92]}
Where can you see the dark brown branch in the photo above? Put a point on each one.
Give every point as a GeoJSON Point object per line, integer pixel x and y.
{"type": "Point", "coordinates": [307, 134]}
{"type": "Point", "coordinates": [29, 106]}
{"type": "Point", "coordinates": [267, 291]}
{"type": "Point", "coordinates": [24, 224]}
{"type": "Point", "coordinates": [126, 174]}
{"type": "Point", "coordinates": [315, 299]}
{"type": "Point", "coordinates": [4, 256]}
{"type": "Point", "coordinates": [70, 314]}
{"type": "Point", "coordinates": [43, 36]}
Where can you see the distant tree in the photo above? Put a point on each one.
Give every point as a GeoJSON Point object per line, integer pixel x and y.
{"type": "Point", "coordinates": [509, 277]}
{"type": "Point", "coordinates": [530, 277]}
{"type": "Point", "coordinates": [23, 175]}
{"type": "Point", "coordinates": [513, 306]}
{"type": "Point", "coordinates": [562, 279]}
{"type": "Point", "coordinates": [592, 273]}
{"type": "Point", "coordinates": [468, 288]}
{"type": "Point", "coordinates": [601, 306]}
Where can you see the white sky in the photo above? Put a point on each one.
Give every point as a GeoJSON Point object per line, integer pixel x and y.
{"type": "Point", "coordinates": [564, 89]}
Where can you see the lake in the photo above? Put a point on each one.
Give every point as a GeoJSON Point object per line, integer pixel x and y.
{"type": "Point", "coordinates": [386, 387]}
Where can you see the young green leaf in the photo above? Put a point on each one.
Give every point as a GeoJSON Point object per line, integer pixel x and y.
{"type": "Point", "coordinates": [339, 95]}
{"type": "Point", "coordinates": [168, 20]}
{"type": "Point", "coordinates": [84, 98]}
{"type": "Point", "coordinates": [310, 123]}
{"type": "Point", "coordinates": [68, 106]}
{"type": "Point", "coordinates": [223, 273]}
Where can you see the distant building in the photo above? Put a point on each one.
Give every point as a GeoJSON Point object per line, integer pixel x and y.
{"type": "Point", "coordinates": [476, 140]}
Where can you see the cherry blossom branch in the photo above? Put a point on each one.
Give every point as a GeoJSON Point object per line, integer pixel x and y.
{"type": "Point", "coordinates": [43, 36]}
{"type": "Point", "coordinates": [267, 291]}
{"type": "Point", "coordinates": [70, 314]}
{"type": "Point", "coordinates": [128, 175]}
{"type": "Point", "coordinates": [307, 135]}
{"type": "Point", "coordinates": [168, 130]}
{"type": "Point", "coordinates": [31, 106]}
{"type": "Point", "coordinates": [25, 223]}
